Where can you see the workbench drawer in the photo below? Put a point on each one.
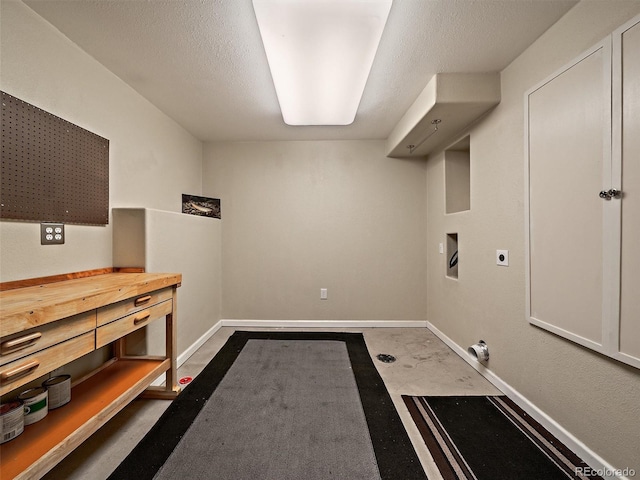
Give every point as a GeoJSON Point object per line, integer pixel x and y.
{"type": "Point", "coordinates": [125, 307]}
{"type": "Point", "coordinates": [110, 332]}
{"type": "Point", "coordinates": [18, 345]}
{"type": "Point", "coordinates": [31, 367]}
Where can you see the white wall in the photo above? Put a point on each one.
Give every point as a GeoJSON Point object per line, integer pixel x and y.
{"type": "Point", "coordinates": [593, 397]}
{"type": "Point", "coordinates": [301, 216]}
{"type": "Point", "coordinates": [163, 241]}
{"type": "Point", "coordinates": [152, 159]}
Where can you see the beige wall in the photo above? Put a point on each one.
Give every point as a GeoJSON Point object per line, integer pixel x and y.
{"type": "Point", "coordinates": [301, 216]}
{"type": "Point", "coordinates": [593, 397]}
{"type": "Point", "coordinates": [152, 159]}
{"type": "Point", "coordinates": [162, 241]}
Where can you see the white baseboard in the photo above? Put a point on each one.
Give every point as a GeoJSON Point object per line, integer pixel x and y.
{"type": "Point", "coordinates": [324, 323]}
{"type": "Point", "coordinates": [184, 356]}
{"type": "Point", "coordinates": [589, 456]}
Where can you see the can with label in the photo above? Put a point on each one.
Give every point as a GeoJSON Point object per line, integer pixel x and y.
{"type": "Point", "coordinates": [35, 402]}
{"type": "Point", "coordinates": [11, 420]}
{"type": "Point", "coordinates": [59, 389]}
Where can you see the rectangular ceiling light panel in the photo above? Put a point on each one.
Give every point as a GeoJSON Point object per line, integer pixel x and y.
{"type": "Point", "coordinates": [320, 54]}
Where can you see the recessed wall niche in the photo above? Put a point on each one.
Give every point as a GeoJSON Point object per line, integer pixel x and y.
{"type": "Point", "coordinates": [457, 173]}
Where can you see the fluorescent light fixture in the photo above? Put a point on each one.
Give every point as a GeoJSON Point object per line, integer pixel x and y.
{"type": "Point", "coordinates": [320, 54]}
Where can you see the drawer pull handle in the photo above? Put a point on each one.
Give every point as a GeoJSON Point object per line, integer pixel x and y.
{"type": "Point", "coordinates": [142, 300]}
{"type": "Point", "coordinates": [24, 369]}
{"type": "Point", "coordinates": [19, 343]}
{"type": "Point", "coordinates": [142, 317]}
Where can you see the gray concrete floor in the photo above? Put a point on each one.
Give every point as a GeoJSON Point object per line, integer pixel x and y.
{"type": "Point", "coordinates": [424, 366]}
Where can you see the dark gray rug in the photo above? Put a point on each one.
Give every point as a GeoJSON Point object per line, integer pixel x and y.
{"type": "Point", "coordinates": [286, 409]}
{"type": "Point", "coordinates": [277, 405]}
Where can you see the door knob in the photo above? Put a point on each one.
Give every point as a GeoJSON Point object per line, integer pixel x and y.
{"type": "Point", "coordinates": [609, 194]}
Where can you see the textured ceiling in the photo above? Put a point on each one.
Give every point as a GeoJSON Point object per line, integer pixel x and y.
{"type": "Point", "coordinates": [202, 61]}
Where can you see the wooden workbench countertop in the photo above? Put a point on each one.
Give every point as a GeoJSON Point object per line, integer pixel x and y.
{"type": "Point", "coordinates": [29, 307]}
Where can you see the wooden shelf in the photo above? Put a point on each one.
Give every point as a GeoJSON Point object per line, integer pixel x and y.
{"type": "Point", "coordinates": [93, 402]}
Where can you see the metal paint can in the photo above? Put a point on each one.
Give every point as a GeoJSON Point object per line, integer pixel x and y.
{"type": "Point", "coordinates": [11, 420]}
{"type": "Point", "coordinates": [35, 403]}
{"type": "Point", "coordinates": [59, 389]}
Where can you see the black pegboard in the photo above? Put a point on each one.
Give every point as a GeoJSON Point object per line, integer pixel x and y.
{"type": "Point", "coordinates": [52, 170]}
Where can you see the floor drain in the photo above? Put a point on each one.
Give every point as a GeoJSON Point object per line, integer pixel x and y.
{"type": "Point", "coordinates": [386, 358]}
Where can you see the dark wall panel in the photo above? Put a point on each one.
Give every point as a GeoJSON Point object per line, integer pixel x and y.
{"type": "Point", "coordinates": [52, 170]}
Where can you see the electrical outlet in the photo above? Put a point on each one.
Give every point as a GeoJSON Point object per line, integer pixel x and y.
{"type": "Point", "coordinates": [502, 258]}
{"type": "Point", "coordinates": [51, 233]}
{"type": "Point", "coordinates": [323, 294]}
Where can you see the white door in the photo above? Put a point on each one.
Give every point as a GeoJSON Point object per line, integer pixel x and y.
{"type": "Point", "coordinates": [627, 100]}
{"type": "Point", "coordinates": [569, 163]}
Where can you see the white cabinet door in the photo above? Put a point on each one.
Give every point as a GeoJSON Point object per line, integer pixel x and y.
{"type": "Point", "coordinates": [569, 163]}
{"type": "Point", "coordinates": [627, 152]}
{"type": "Point", "coordinates": [582, 234]}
